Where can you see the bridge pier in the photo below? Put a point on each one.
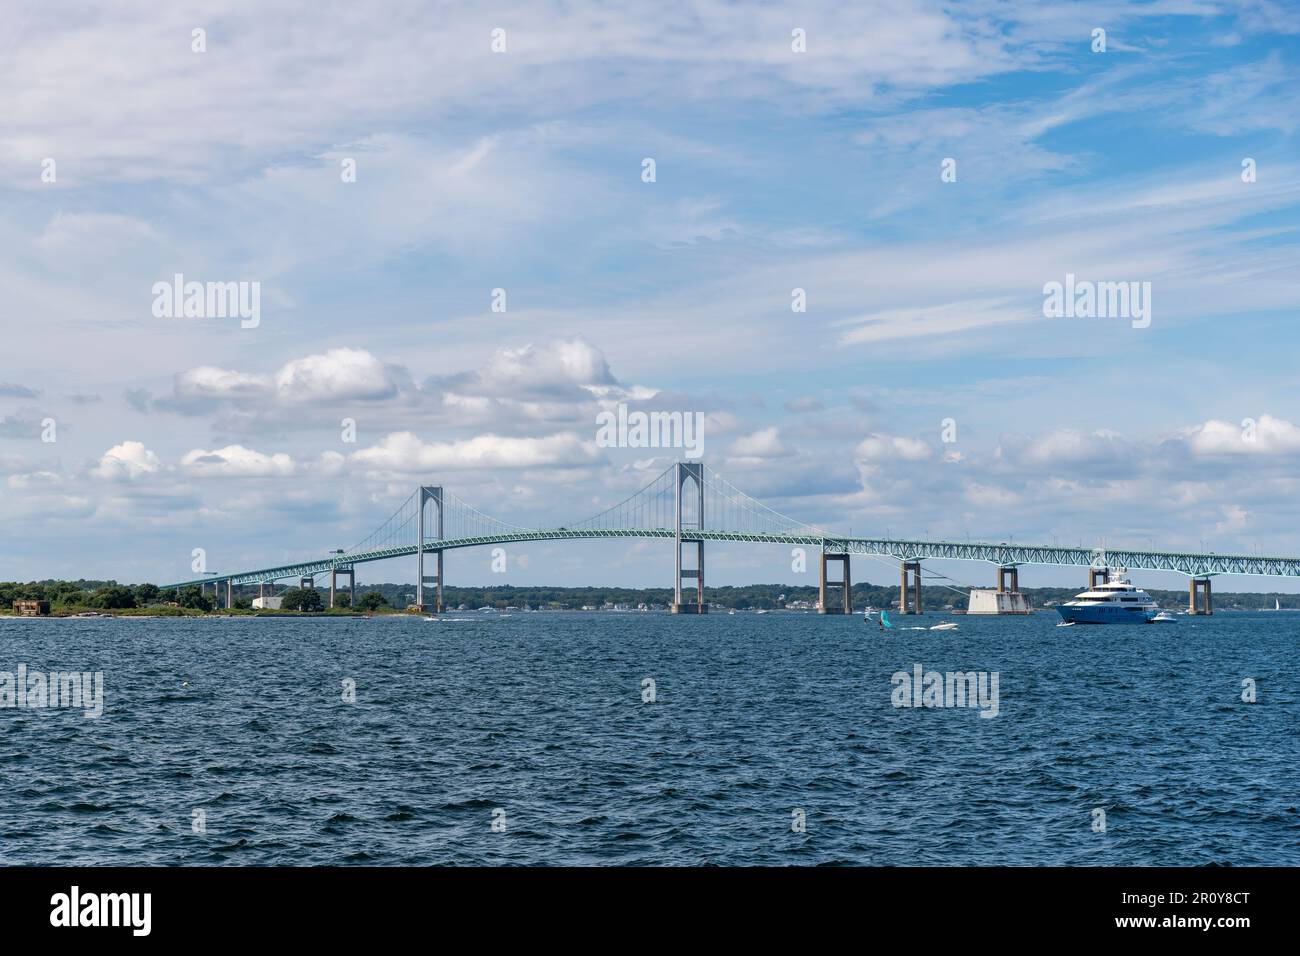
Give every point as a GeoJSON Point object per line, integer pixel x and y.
{"type": "Point", "coordinates": [1098, 576]}
{"type": "Point", "coordinates": [230, 596]}
{"type": "Point", "coordinates": [1008, 574]}
{"type": "Point", "coordinates": [427, 493]}
{"type": "Point", "coordinates": [1198, 587]}
{"type": "Point", "coordinates": [698, 606]}
{"type": "Point", "coordinates": [914, 568]}
{"type": "Point", "coordinates": [693, 471]}
{"type": "Point", "coordinates": [436, 581]}
{"type": "Point", "coordinates": [845, 605]}
{"type": "Point", "coordinates": [352, 584]}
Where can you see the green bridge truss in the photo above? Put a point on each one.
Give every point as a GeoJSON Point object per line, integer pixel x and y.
{"type": "Point", "coordinates": [1004, 555]}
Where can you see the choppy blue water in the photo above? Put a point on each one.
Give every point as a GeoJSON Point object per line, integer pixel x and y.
{"type": "Point", "coordinates": [541, 716]}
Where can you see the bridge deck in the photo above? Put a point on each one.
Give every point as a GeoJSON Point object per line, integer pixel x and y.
{"type": "Point", "coordinates": [1186, 562]}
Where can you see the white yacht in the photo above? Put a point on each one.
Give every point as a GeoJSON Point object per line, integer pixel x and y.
{"type": "Point", "coordinates": [1116, 602]}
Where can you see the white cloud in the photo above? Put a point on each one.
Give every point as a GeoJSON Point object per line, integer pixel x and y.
{"type": "Point", "coordinates": [405, 452]}
{"type": "Point", "coordinates": [130, 459]}
{"type": "Point", "coordinates": [207, 381]}
{"type": "Point", "coordinates": [555, 367]}
{"type": "Point", "coordinates": [762, 444]}
{"type": "Point", "coordinates": [1272, 436]}
{"type": "Point", "coordinates": [891, 447]}
{"type": "Point", "coordinates": [339, 374]}
{"type": "Point", "coordinates": [236, 461]}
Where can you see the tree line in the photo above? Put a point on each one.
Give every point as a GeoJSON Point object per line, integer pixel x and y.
{"type": "Point", "coordinates": [80, 595]}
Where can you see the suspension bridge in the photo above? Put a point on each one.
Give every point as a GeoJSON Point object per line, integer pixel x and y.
{"type": "Point", "coordinates": [691, 505]}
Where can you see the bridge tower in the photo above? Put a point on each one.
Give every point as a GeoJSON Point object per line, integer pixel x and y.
{"type": "Point", "coordinates": [1008, 574]}
{"type": "Point", "coordinates": [825, 606]}
{"type": "Point", "coordinates": [914, 568]}
{"type": "Point", "coordinates": [428, 493]}
{"type": "Point", "coordinates": [694, 471]}
{"type": "Point", "coordinates": [352, 584]}
{"type": "Point", "coordinates": [1198, 589]}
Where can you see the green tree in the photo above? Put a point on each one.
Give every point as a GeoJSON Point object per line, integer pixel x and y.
{"type": "Point", "coordinates": [194, 598]}
{"type": "Point", "coordinates": [146, 594]}
{"type": "Point", "coordinates": [112, 596]}
{"type": "Point", "coordinates": [372, 601]}
{"type": "Point", "coordinates": [301, 599]}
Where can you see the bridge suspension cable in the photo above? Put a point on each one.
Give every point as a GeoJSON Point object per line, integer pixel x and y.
{"type": "Point", "coordinates": [462, 520]}
{"type": "Point", "coordinates": [653, 507]}
{"type": "Point", "coordinates": [397, 532]}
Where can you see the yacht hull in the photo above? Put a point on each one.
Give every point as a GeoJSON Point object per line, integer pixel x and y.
{"type": "Point", "coordinates": [1104, 614]}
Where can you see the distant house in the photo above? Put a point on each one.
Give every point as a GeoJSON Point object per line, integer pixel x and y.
{"type": "Point", "coordinates": [32, 608]}
{"type": "Point", "coordinates": [267, 603]}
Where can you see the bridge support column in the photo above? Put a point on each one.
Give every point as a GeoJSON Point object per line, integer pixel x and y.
{"type": "Point", "coordinates": [436, 580]}
{"type": "Point", "coordinates": [1198, 587]}
{"type": "Point", "coordinates": [1005, 575]}
{"type": "Point", "coordinates": [307, 582]}
{"type": "Point", "coordinates": [426, 494]}
{"type": "Point", "coordinates": [914, 567]}
{"type": "Point", "coordinates": [352, 584]}
{"type": "Point", "coordinates": [696, 606]}
{"type": "Point", "coordinates": [1098, 576]}
{"type": "Point", "coordinates": [692, 471]}
{"type": "Point", "coordinates": [230, 596]}
{"type": "Point", "coordinates": [845, 604]}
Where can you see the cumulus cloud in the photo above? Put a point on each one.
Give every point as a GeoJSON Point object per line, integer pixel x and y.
{"type": "Point", "coordinates": [551, 369]}
{"type": "Point", "coordinates": [1066, 447]}
{"type": "Point", "coordinates": [236, 461]}
{"type": "Point", "coordinates": [130, 459]}
{"type": "Point", "coordinates": [339, 374]}
{"type": "Point", "coordinates": [207, 381]}
{"type": "Point", "coordinates": [877, 447]}
{"type": "Point", "coordinates": [406, 452]}
{"type": "Point", "coordinates": [763, 444]}
{"type": "Point", "coordinates": [336, 375]}
{"type": "Point", "coordinates": [1267, 436]}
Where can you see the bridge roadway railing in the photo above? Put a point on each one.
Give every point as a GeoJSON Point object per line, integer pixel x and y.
{"type": "Point", "coordinates": [1005, 555]}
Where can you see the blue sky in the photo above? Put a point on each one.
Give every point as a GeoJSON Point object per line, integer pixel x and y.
{"type": "Point", "coordinates": [521, 170]}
